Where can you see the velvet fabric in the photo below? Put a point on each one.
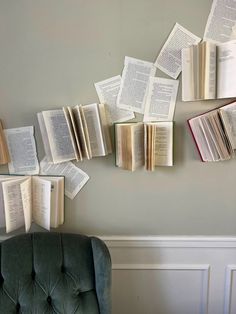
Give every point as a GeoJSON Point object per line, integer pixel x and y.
{"type": "Point", "coordinates": [55, 273]}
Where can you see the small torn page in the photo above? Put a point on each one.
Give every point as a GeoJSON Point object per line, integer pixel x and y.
{"type": "Point", "coordinates": [75, 178]}
{"type": "Point", "coordinates": [22, 149]}
{"type": "Point", "coordinates": [221, 21]}
{"type": "Point", "coordinates": [161, 99]}
{"type": "Point", "coordinates": [134, 83]}
{"type": "Point", "coordinates": [169, 58]}
{"type": "Point", "coordinates": [107, 91]}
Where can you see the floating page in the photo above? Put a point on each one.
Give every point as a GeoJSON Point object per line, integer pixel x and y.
{"type": "Point", "coordinates": [221, 21]}
{"type": "Point", "coordinates": [75, 178]}
{"type": "Point", "coordinates": [161, 99]}
{"type": "Point", "coordinates": [169, 58]}
{"type": "Point", "coordinates": [22, 149]}
{"type": "Point", "coordinates": [226, 70]}
{"type": "Point", "coordinates": [107, 91]}
{"type": "Point", "coordinates": [134, 84]}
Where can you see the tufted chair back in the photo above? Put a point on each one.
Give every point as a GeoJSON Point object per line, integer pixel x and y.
{"type": "Point", "coordinates": [54, 273]}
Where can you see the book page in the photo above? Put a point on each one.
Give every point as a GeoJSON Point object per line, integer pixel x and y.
{"type": "Point", "coordinates": [209, 71]}
{"type": "Point", "coordinates": [226, 70]}
{"type": "Point", "coordinates": [73, 133]}
{"type": "Point", "coordinates": [44, 136]}
{"type": "Point", "coordinates": [4, 153]}
{"type": "Point", "coordinates": [161, 99]}
{"type": "Point", "coordinates": [220, 21]}
{"type": "Point", "coordinates": [105, 127]}
{"type": "Point", "coordinates": [41, 195]}
{"type": "Point", "coordinates": [58, 135]}
{"type": "Point", "coordinates": [14, 213]}
{"type": "Point", "coordinates": [164, 144]}
{"type": "Point", "coordinates": [134, 84]}
{"type": "Point", "coordinates": [107, 91]}
{"type": "Point", "coordinates": [26, 195]}
{"type": "Point", "coordinates": [94, 130]}
{"type": "Point", "coordinates": [75, 178]}
{"type": "Point", "coordinates": [82, 131]}
{"type": "Point", "coordinates": [187, 74]}
{"type": "Point", "coordinates": [169, 58]}
{"type": "Point", "coordinates": [228, 115]}
{"type": "Point", "coordinates": [22, 149]}
{"type": "Point", "coordinates": [138, 145]}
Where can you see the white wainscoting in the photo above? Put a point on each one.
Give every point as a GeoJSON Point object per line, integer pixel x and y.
{"type": "Point", "coordinates": [173, 275]}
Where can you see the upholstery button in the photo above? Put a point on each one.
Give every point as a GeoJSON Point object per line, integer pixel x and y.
{"type": "Point", "coordinates": [1, 279]}
{"type": "Point", "coordinates": [33, 274]}
{"type": "Point", "coordinates": [62, 269]}
{"type": "Point", "coordinates": [17, 307]}
{"type": "Point", "coordinates": [49, 299]}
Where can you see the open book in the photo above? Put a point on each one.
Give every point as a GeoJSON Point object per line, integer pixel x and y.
{"type": "Point", "coordinates": [149, 144]}
{"type": "Point", "coordinates": [208, 71]}
{"type": "Point", "coordinates": [4, 153]}
{"type": "Point", "coordinates": [75, 133]}
{"type": "Point", "coordinates": [24, 199]}
{"type": "Point", "coordinates": [214, 133]}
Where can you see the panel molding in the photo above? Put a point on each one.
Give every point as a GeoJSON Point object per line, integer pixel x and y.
{"type": "Point", "coordinates": [228, 287]}
{"type": "Point", "coordinates": [205, 268]}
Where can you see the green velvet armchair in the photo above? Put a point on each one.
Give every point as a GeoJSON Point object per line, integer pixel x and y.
{"type": "Point", "coordinates": [55, 273]}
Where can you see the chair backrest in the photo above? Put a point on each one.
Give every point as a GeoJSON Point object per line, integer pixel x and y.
{"type": "Point", "coordinates": [55, 273]}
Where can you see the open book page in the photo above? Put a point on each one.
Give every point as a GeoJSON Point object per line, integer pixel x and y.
{"type": "Point", "coordinates": [2, 210]}
{"type": "Point", "coordinates": [138, 145]}
{"type": "Point", "coordinates": [14, 212]}
{"type": "Point", "coordinates": [44, 136]}
{"type": "Point", "coordinates": [105, 127]}
{"type": "Point", "coordinates": [107, 91]}
{"type": "Point", "coordinates": [226, 70]}
{"type": "Point", "coordinates": [91, 114]}
{"type": "Point", "coordinates": [163, 144]}
{"type": "Point", "coordinates": [4, 153]}
{"type": "Point", "coordinates": [58, 135]}
{"type": "Point", "coordinates": [209, 72]}
{"type": "Point", "coordinates": [73, 133]}
{"type": "Point", "coordinates": [57, 200]}
{"type": "Point", "coordinates": [82, 131]}
{"type": "Point", "coordinates": [169, 58]}
{"type": "Point", "coordinates": [220, 21]}
{"type": "Point", "coordinates": [161, 99]}
{"type": "Point", "coordinates": [75, 178]}
{"type": "Point", "coordinates": [187, 74]}
{"type": "Point", "coordinates": [22, 149]}
{"type": "Point", "coordinates": [134, 84]}
{"type": "Point", "coordinates": [228, 116]}
{"type": "Point", "coordinates": [26, 189]}
{"type": "Point", "coordinates": [41, 195]}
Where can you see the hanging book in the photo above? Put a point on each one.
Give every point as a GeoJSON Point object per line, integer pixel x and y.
{"type": "Point", "coordinates": [4, 153]}
{"type": "Point", "coordinates": [24, 199]}
{"type": "Point", "coordinates": [214, 133]}
{"type": "Point", "coordinates": [208, 71]}
{"type": "Point", "coordinates": [149, 145]}
{"type": "Point", "coordinates": [75, 133]}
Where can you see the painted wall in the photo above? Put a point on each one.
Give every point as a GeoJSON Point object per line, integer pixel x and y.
{"type": "Point", "coordinates": [51, 54]}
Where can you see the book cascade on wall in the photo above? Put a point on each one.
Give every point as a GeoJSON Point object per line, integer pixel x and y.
{"type": "Point", "coordinates": [84, 131]}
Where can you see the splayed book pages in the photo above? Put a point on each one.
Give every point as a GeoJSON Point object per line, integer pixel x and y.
{"type": "Point", "coordinates": [4, 153]}
{"type": "Point", "coordinates": [75, 133]}
{"type": "Point", "coordinates": [24, 199]}
{"type": "Point", "coordinates": [149, 145]}
{"type": "Point", "coordinates": [214, 133]}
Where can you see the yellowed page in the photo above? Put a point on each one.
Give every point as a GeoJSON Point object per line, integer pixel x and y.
{"type": "Point", "coordinates": [26, 195]}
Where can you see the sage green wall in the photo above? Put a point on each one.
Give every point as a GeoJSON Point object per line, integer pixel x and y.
{"type": "Point", "coordinates": [52, 51]}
